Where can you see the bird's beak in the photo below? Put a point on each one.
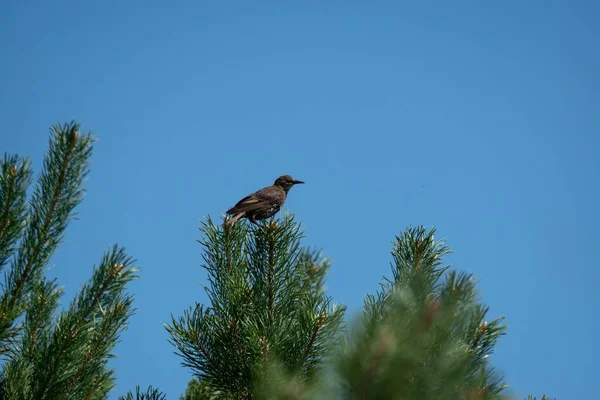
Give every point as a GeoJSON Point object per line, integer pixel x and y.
{"type": "Point", "coordinates": [297, 182]}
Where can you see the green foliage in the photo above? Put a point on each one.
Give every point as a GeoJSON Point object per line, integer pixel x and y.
{"type": "Point", "coordinates": [14, 180]}
{"type": "Point", "coordinates": [422, 336]}
{"type": "Point", "coordinates": [149, 394]}
{"type": "Point", "coordinates": [270, 330]}
{"type": "Point", "coordinates": [267, 302]}
{"type": "Point", "coordinates": [197, 391]}
{"type": "Point", "coordinates": [49, 355]}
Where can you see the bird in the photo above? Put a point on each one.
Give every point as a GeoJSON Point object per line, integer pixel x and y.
{"type": "Point", "coordinates": [263, 203]}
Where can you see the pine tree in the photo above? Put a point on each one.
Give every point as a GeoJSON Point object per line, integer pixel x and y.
{"type": "Point", "coordinates": [267, 302]}
{"type": "Point", "coordinates": [269, 332]}
{"type": "Point", "coordinates": [423, 335]}
{"type": "Point", "coordinates": [49, 354]}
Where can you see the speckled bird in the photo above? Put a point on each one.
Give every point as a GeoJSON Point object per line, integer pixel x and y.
{"type": "Point", "coordinates": [264, 203]}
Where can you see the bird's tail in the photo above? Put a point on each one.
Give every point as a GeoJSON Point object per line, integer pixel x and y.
{"type": "Point", "coordinates": [232, 220]}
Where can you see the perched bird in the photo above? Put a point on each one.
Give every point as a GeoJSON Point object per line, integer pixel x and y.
{"type": "Point", "coordinates": [264, 203]}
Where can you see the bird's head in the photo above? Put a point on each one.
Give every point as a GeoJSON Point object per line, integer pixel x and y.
{"type": "Point", "coordinates": [286, 182]}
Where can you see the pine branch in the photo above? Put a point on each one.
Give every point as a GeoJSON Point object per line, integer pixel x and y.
{"type": "Point", "coordinates": [57, 193]}
{"type": "Point", "coordinates": [188, 336]}
{"type": "Point", "coordinates": [319, 321]}
{"type": "Point", "coordinates": [85, 334]}
{"type": "Point", "coordinates": [37, 329]}
{"type": "Point", "coordinates": [14, 180]}
{"type": "Point", "coordinates": [102, 341]}
{"type": "Point", "coordinates": [149, 394]}
{"type": "Point", "coordinates": [100, 386]}
{"type": "Point", "coordinates": [262, 305]}
{"type": "Point", "coordinates": [16, 380]}
{"type": "Point", "coordinates": [47, 214]}
{"type": "Point", "coordinates": [196, 390]}
{"type": "Point", "coordinates": [68, 360]}
{"type": "Point", "coordinates": [38, 320]}
{"type": "Point", "coordinates": [422, 336]}
{"type": "Point", "coordinates": [270, 273]}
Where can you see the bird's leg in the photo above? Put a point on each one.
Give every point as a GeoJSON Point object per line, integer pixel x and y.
{"type": "Point", "coordinates": [251, 218]}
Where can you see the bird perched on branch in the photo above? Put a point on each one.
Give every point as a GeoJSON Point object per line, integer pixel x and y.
{"type": "Point", "coordinates": [264, 203]}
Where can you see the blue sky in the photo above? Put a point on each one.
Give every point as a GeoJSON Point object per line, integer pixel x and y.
{"type": "Point", "coordinates": [479, 118]}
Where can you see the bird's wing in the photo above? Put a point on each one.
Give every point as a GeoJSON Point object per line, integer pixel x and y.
{"type": "Point", "coordinates": [248, 203]}
{"type": "Point", "coordinates": [253, 202]}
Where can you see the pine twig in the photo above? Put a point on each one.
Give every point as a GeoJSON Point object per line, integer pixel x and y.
{"type": "Point", "coordinates": [318, 324]}
{"type": "Point", "coordinates": [5, 221]}
{"type": "Point", "coordinates": [47, 222]}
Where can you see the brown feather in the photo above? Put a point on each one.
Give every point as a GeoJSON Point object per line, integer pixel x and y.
{"type": "Point", "coordinates": [248, 203]}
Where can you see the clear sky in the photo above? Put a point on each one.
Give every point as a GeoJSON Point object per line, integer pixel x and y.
{"type": "Point", "coordinates": [479, 118]}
